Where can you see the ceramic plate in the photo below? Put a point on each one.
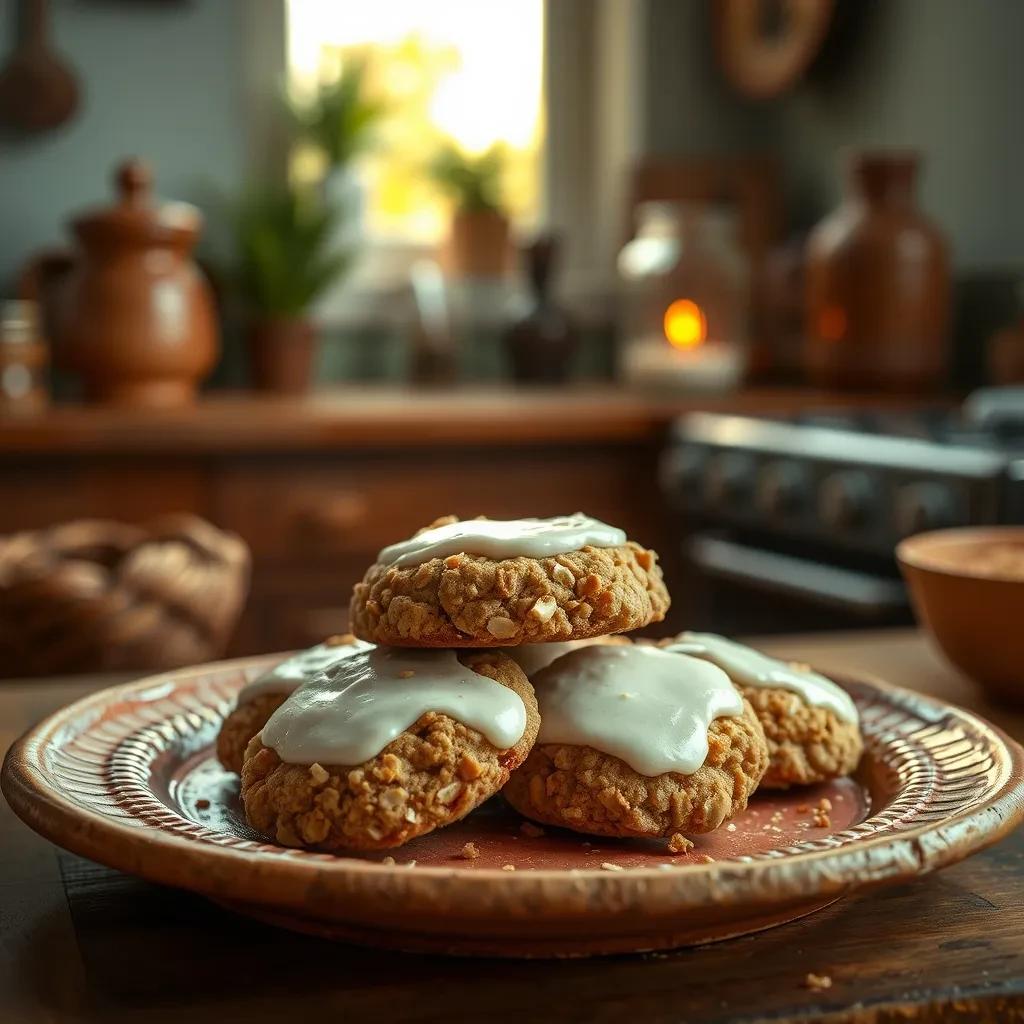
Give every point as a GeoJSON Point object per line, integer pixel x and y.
{"type": "Point", "coordinates": [127, 777]}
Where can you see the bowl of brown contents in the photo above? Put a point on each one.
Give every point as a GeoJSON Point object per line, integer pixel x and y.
{"type": "Point", "coordinates": [967, 586]}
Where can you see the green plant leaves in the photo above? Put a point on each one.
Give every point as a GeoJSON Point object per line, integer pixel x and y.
{"type": "Point", "coordinates": [474, 183]}
{"type": "Point", "coordinates": [285, 260]}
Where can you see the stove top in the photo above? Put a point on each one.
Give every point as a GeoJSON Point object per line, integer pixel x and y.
{"type": "Point", "coordinates": [853, 482]}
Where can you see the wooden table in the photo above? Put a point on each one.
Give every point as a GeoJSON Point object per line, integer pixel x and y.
{"type": "Point", "coordinates": [81, 943]}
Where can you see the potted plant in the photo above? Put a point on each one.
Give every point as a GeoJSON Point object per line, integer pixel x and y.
{"type": "Point", "coordinates": [284, 261]}
{"type": "Point", "coordinates": [479, 242]}
{"type": "Point", "coordinates": [341, 123]}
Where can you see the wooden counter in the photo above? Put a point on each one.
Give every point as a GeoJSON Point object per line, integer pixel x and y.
{"type": "Point", "coordinates": [82, 943]}
{"type": "Point", "coordinates": [373, 418]}
{"type": "Point", "coordinates": [317, 486]}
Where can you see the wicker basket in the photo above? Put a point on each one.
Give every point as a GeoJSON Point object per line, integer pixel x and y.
{"type": "Point", "coordinates": [96, 595]}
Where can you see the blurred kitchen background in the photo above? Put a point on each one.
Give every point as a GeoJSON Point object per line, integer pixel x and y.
{"type": "Point", "coordinates": [745, 277]}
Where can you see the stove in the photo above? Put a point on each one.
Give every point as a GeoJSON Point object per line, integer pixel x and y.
{"type": "Point", "coordinates": [808, 509]}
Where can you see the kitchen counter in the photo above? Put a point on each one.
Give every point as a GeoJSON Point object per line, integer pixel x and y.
{"type": "Point", "coordinates": [82, 943]}
{"type": "Point", "coordinates": [382, 417]}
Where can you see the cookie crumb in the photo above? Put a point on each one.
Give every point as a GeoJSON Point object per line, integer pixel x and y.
{"type": "Point", "coordinates": [202, 803]}
{"type": "Point", "coordinates": [508, 867]}
{"type": "Point", "coordinates": [469, 768]}
{"type": "Point", "coordinates": [448, 794]}
{"type": "Point", "coordinates": [339, 640]}
{"type": "Point", "coordinates": [607, 866]}
{"type": "Point", "coordinates": [543, 608]}
{"type": "Point", "coordinates": [388, 861]}
{"type": "Point", "coordinates": [817, 982]}
{"type": "Point", "coordinates": [824, 804]}
{"type": "Point", "coordinates": [318, 774]}
{"type": "Point", "coordinates": [731, 827]}
{"type": "Point", "coordinates": [678, 843]}
{"type": "Point", "coordinates": [501, 627]}
{"type": "Point", "coordinates": [453, 561]}
{"type": "Point", "coordinates": [561, 574]}
{"type": "Point", "coordinates": [529, 829]}
{"type": "Point", "coordinates": [409, 864]}
{"type": "Point", "coordinates": [470, 851]}
{"type": "Point", "coordinates": [706, 858]}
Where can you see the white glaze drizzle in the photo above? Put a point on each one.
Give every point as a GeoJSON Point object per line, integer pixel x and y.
{"type": "Point", "coordinates": [646, 706]}
{"type": "Point", "coordinates": [294, 671]}
{"type": "Point", "coordinates": [504, 538]}
{"type": "Point", "coordinates": [351, 712]}
{"type": "Point", "coordinates": [752, 668]}
{"type": "Point", "coordinates": [531, 658]}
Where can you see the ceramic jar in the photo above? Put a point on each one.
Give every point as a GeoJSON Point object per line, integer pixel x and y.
{"type": "Point", "coordinates": [877, 284]}
{"type": "Point", "coordinates": [134, 316]}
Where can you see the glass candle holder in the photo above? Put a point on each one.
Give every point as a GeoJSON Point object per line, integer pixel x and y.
{"type": "Point", "coordinates": [685, 299]}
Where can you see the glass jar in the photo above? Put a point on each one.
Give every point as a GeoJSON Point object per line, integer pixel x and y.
{"type": "Point", "coordinates": [685, 298]}
{"type": "Point", "coordinates": [23, 358]}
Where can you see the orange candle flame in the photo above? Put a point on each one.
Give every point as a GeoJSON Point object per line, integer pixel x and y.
{"type": "Point", "coordinates": [686, 326]}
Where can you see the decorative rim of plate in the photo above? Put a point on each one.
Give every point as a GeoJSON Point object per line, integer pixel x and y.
{"type": "Point", "coordinates": [80, 778]}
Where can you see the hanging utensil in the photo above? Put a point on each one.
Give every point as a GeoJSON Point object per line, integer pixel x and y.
{"type": "Point", "coordinates": [37, 89]}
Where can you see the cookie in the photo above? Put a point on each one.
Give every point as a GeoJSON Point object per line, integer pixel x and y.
{"type": "Point", "coordinates": [531, 658]}
{"type": "Point", "coordinates": [494, 583]}
{"type": "Point", "coordinates": [436, 770]}
{"type": "Point", "coordinates": [810, 723]}
{"type": "Point", "coordinates": [636, 741]}
{"type": "Point", "coordinates": [262, 696]}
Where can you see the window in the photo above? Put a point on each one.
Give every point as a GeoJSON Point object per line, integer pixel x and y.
{"type": "Point", "coordinates": [470, 71]}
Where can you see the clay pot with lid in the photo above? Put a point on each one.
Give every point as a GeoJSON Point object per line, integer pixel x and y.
{"type": "Point", "coordinates": [877, 284]}
{"type": "Point", "coordinates": [134, 316]}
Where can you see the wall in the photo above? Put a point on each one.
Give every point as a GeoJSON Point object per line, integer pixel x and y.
{"type": "Point", "coordinates": [160, 79]}
{"type": "Point", "coordinates": [945, 76]}
{"type": "Point", "coordinates": [942, 76]}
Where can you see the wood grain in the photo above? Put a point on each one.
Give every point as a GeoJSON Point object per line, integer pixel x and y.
{"type": "Point", "coordinates": [368, 418]}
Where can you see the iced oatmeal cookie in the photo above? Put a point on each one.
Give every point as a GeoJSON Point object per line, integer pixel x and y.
{"type": "Point", "coordinates": [387, 746]}
{"type": "Point", "coordinates": [496, 583]}
{"type": "Point", "coordinates": [636, 741]}
{"type": "Point", "coordinates": [811, 724]}
{"type": "Point", "coordinates": [262, 696]}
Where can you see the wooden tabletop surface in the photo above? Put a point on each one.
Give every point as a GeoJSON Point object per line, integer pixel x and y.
{"type": "Point", "coordinates": [371, 417]}
{"type": "Point", "coordinates": [79, 942]}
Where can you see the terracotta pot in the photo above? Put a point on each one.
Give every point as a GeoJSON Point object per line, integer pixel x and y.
{"type": "Point", "coordinates": [479, 245]}
{"type": "Point", "coordinates": [134, 315]}
{"type": "Point", "coordinates": [877, 297]}
{"type": "Point", "coordinates": [281, 352]}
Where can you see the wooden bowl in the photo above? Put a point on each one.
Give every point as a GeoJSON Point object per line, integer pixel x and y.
{"type": "Point", "coordinates": [127, 777]}
{"type": "Point", "coordinates": [974, 611]}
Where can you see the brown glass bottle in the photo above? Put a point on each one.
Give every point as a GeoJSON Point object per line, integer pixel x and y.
{"type": "Point", "coordinates": [877, 299]}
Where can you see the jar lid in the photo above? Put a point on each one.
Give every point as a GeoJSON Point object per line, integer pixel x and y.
{"type": "Point", "coordinates": [137, 217]}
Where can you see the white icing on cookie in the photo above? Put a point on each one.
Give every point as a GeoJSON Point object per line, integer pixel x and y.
{"type": "Point", "coordinates": [504, 538]}
{"type": "Point", "coordinates": [752, 668]}
{"type": "Point", "coordinates": [531, 658]}
{"type": "Point", "coordinates": [648, 707]}
{"type": "Point", "coordinates": [351, 712]}
{"type": "Point", "coordinates": [294, 671]}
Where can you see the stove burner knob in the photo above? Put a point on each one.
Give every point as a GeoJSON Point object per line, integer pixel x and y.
{"type": "Point", "coordinates": [924, 505]}
{"type": "Point", "coordinates": [847, 500]}
{"type": "Point", "coordinates": [781, 489]}
{"type": "Point", "coordinates": [728, 479]}
{"type": "Point", "coordinates": [681, 472]}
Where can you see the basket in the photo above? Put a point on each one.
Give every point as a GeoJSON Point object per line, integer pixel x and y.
{"type": "Point", "coordinates": [96, 595]}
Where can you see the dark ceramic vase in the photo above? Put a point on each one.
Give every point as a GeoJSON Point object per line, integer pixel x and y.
{"type": "Point", "coordinates": [877, 279]}
{"type": "Point", "coordinates": [541, 345]}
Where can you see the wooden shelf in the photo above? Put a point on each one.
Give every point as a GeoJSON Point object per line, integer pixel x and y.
{"type": "Point", "coordinates": [369, 418]}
